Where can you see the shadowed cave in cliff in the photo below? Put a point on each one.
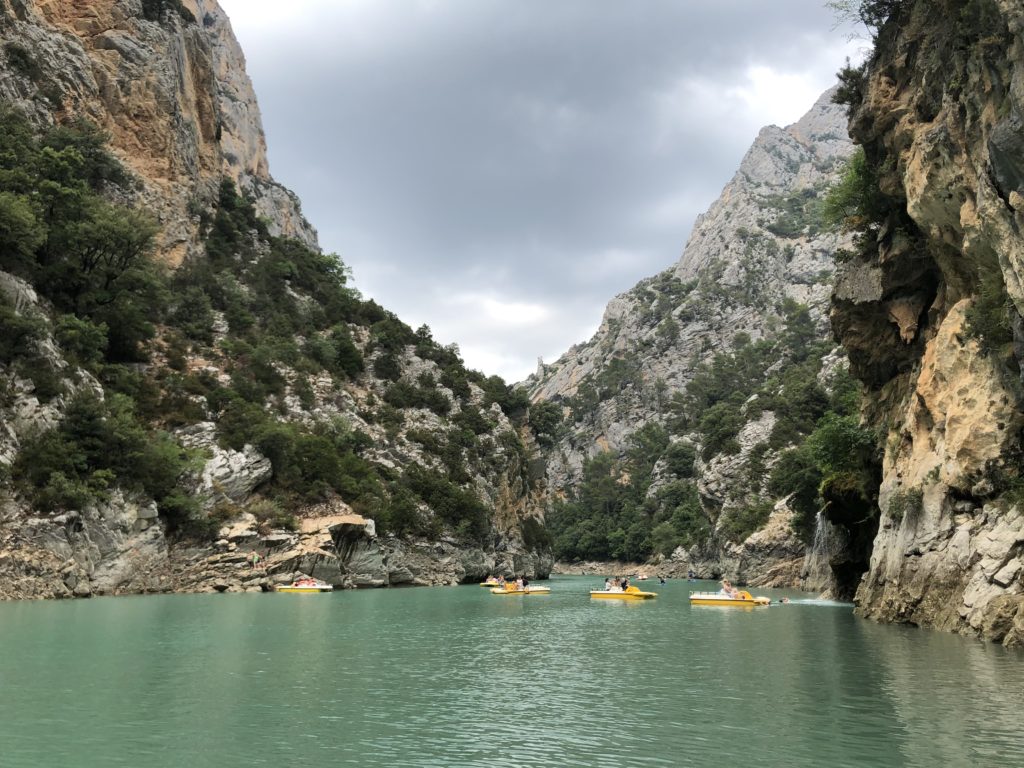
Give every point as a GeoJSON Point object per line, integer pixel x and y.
{"type": "Point", "coordinates": [851, 505]}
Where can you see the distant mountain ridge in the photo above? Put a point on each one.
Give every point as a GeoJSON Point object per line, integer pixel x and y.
{"type": "Point", "coordinates": [758, 258]}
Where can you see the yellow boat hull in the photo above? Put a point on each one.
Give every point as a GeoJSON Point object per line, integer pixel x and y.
{"type": "Point", "coordinates": [527, 591]}
{"type": "Point", "coordinates": [492, 584]}
{"type": "Point", "coordinates": [304, 590]}
{"type": "Point", "coordinates": [718, 600]}
{"type": "Point", "coordinates": [608, 595]}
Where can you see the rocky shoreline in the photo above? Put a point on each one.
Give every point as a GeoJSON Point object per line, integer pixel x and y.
{"type": "Point", "coordinates": [120, 550]}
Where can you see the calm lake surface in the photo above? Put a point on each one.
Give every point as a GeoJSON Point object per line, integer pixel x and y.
{"type": "Point", "coordinates": [459, 677]}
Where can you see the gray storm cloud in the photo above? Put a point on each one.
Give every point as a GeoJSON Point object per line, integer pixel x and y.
{"type": "Point", "coordinates": [500, 170]}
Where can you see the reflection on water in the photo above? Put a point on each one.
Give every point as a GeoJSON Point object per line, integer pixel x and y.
{"type": "Point", "coordinates": [459, 677]}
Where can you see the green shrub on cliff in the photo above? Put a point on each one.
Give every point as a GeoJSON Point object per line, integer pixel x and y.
{"type": "Point", "coordinates": [905, 503]}
{"type": "Point", "coordinates": [97, 446]}
{"type": "Point", "coordinates": [836, 465]}
{"type": "Point", "coordinates": [89, 257]}
{"type": "Point", "coordinates": [458, 507]}
{"type": "Point", "coordinates": [21, 335]}
{"type": "Point", "coordinates": [739, 523]}
{"type": "Point", "coordinates": [871, 13]}
{"type": "Point", "coordinates": [155, 10]}
{"type": "Point", "coordinates": [854, 203]}
{"type": "Point", "coordinates": [988, 316]}
{"type": "Point", "coordinates": [546, 422]}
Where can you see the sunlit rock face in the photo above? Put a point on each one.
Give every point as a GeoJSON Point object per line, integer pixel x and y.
{"type": "Point", "coordinates": [171, 90]}
{"type": "Point", "coordinates": [760, 243]}
{"type": "Point", "coordinates": [931, 319]}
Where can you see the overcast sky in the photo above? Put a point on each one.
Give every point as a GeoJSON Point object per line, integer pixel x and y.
{"type": "Point", "coordinates": [500, 169]}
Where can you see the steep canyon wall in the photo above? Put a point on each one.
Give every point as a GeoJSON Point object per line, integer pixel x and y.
{"type": "Point", "coordinates": [930, 313]}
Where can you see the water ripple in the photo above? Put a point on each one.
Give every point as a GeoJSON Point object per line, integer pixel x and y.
{"type": "Point", "coordinates": [457, 677]}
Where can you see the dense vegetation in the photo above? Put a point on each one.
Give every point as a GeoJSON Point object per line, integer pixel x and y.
{"type": "Point", "coordinates": [873, 14]}
{"type": "Point", "coordinates": [613, 514]}
{"type": "Point", "coordinates": [91, 260]}
{"type": "Point", "coordinates": [157, 10]}
{"type": "Point", "coordinates": [646, 502]}
{"type": "Point", "coordinates": [267, 316]}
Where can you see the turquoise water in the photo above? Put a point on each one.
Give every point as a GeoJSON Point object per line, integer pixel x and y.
{"type": "Point", "coordinates": [459, 677]}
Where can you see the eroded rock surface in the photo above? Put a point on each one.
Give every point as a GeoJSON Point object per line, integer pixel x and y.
{"type": "Point", "coordinates": [939, 120]}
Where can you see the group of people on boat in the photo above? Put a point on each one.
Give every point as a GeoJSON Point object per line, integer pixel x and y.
{"type": "Point", "coordinates": [521, 582]}
{"type": "Point", "coordinates": [728, 589]}
{"type": "Point", "coordinates": [616, 585]}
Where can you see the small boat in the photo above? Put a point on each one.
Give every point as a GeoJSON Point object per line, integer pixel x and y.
{"type": "Point", "coordinates": [492, 583]}
{"type": "Point", "coordinates": [742, 599]}
{"type": "Point", "coordinates": [630, 593]}
{"type": "Point", "coordinates": [512, 589]}
{"type": "Point", "coordinates": [306, 586]}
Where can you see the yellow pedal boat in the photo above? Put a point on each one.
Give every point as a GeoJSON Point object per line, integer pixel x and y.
{"type": "Point", "coordinates": [631, 593]}
{"type": "Point", "coordinates": [743, 599]}
{"type": "Point", "coordinates": [492, 583]}
{"type": "Point", "coordinates": [305, 587]}
{"type": "Point", "coordinates": [511, 589]}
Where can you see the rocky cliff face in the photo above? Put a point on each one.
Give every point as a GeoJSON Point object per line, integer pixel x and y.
{"type": "Point", "coordinates": [167, 80]}
{"type": "Point", "coordinates": [930, 312]}
{"type": "Point", "coordinates": [758, 244]}
{"type": "Point", "coordinates": [756, 257]}
{"type": "Point", "coordinates": [415, 438]}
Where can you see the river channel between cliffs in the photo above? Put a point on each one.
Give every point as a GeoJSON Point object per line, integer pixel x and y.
{"type": "Point", "coordinates": [455, 676]}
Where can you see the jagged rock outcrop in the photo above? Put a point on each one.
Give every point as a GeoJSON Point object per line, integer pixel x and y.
{"type": "Point", "coordinates": [930, 313]}
{"type": "Point", "coordinates": [227, 475]}
{"type": "Point", "coordinates": [117, 546]}
{"type": "Point", "coordinates": [760, 245]}
{"type": "Point", "coordinates": [342, 549]}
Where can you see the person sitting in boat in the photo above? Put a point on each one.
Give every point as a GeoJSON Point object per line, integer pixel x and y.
{"type": "Point", "coordinates": [501, 580]}
{"type": "Point", "coordinates": [526, 581]}
{"type": "Point", "coordinates": [624, 584]}
{"type": "Point", "coordinates": [519, 582]}
{"type": "Point", "coordinates": [728, 589]}
{"type": "Point", "coordinates": [607, 585]}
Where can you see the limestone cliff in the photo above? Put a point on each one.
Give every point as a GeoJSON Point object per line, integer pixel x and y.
{"type": "Point", "coordinates": [167, 81]}
{"type": "Point", "coordinates": [930, 311]}
{"type": "Point", "coordinates": [405, 468]}
{"type": "Point", "coordinates": [755, 260]}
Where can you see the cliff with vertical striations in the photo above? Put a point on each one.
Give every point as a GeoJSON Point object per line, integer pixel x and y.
{"type": "Point", "coordinates": [167, 81]}
{"type": "Point", "coordinates": [929, 312]}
